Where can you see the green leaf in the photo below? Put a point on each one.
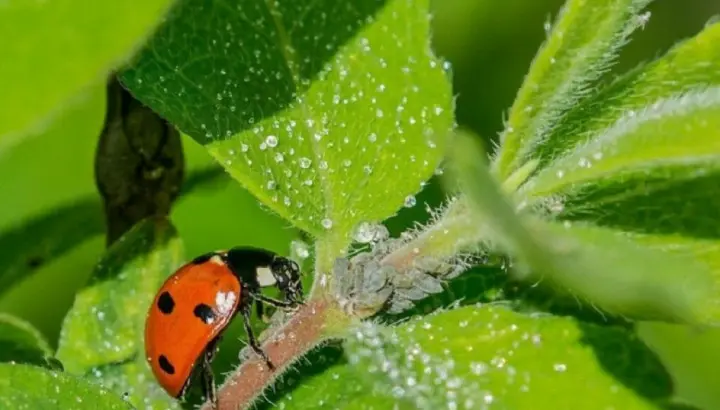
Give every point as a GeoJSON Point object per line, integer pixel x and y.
{"type": "Point", "coordinates": [330, 113]}
{"type": "Point", "coordinates": [702, 250]}
{"type": "Point", "coordinates": [30, 387]}
{"type": "Point", "coordinates": [583, 43]}
{"type": "Point", "coordinates": [26, 247]}
{"type": "Point", "coordinates": [653, 172]}
{"type": "Point", "coordinates": [20, 342]}
{"type": "Point", "coordinates": [622, 277]}
{"type": "Point", "coordinates": [490, 356]}
{"type": "Point", "coordinates": [676, 139]}
{"type": "Point", "coordinates": [691, 356]}
{"type": "Point", "coordinates": [596, 264]}
{"type": "Point", "coordinates": [691, 66]}
{"type": "Point", "coordinates": [322, 383]}
{"type": "Point", "coordinates": [59, 48]}
{"type": "Point", "coordinates": [105, 325]}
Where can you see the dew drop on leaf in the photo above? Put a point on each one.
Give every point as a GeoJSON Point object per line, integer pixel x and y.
{"type": "Point", "coordinates": [326, 223]}
{"type": "Point", "coordinates": [365, 232]}
{"type": "Point", "coordinates": [271, 141]}
{"type": "Point", "coordinates": [410, 201]}
{"type": "Point", "coordinates": [300, 249]}
{"type": "Point", "coordinates": [304, 162]}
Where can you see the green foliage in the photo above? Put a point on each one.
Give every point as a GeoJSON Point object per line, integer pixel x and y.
{"type": "Point", "coordinates": [616, 275]}
{"type": "Point", "coordinates": [53, 60]}
{"type": "Point", "coordinates": [482, 356]}
{"type": "Point", "coordinates": [333, 114]}
{"type": "Point", "coordinates": [581, 46]}
{"type": "Point", "coordinates": [678, 136]}
{"type": "Point", "coordinates": [25, 386]}
{"type": "Point", "coordinates": [329, 118]}
{"type": "Point", "coordinates": [103, 333]}
{"type": "Point", "coordinates": [20, 342]}
{"type": "Point", "coordinates": [58, 232]}
{"type": "Point", "coordinates": [688, 68]}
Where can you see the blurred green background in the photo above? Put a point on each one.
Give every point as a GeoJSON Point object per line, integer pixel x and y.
{"type": "Point", "coordinates": [490, 44]}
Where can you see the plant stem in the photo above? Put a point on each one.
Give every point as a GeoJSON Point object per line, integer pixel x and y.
{"type": "Point", "coordinates": [323, 318]}
{"type": "Point", "coordinates": [314, 323]}
{"type": "Point", "coordinates": [452, 233]}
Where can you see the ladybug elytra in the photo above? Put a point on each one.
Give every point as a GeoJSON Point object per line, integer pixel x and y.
{"type": "Point", "coordinates": [197, 303]}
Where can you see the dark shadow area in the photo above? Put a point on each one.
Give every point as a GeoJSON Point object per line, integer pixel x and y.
{"type": "Point", "coordinates": [640, 205]}
{"type": "Point", "coordinates": [534, 297]}
{"type": "Point", "coordinates": [45, 237]}
{"type": "Point", "coordinates": [224, 93]}
{"type": "Point", "coordinates": [624, 356]}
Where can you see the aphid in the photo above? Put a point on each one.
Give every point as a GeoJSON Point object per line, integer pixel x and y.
{"type": "Point", "coordinates": [197, 303]}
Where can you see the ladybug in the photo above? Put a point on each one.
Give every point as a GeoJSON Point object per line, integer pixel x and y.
{"type": "Point", "coordinates": [197, 303]}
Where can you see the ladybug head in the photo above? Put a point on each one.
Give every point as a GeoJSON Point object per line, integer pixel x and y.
{"type": "Point", "coordinates": [287, 277]}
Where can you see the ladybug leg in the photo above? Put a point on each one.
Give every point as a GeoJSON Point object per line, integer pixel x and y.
{"type": "Point", "coordinates": [208, 380]}
{"type": "Point", "coordinates": [252, 341]}
{"type": "Point", "coordinates": [275, 302]}
{"type": "Point", "coordinates": [206, 373]}
{"type": "Point", "coordinates": [260, 310]}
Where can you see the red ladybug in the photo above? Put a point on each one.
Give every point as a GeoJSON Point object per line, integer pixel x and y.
{"type": "Point", "coordinates": [195, 305]}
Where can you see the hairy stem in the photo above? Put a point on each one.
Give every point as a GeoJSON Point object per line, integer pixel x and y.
{"type": "Point", "coordinates": [449, 235]}
{"type": "Point", "coordinates": [314, 323]}
{"type": "Point", "coordinates": [326, 316]}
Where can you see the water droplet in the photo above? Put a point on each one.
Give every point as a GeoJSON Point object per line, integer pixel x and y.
{"type": "Point", "coordinates": [372, 137]}
{"type": "Point", "coordinates": [560, 173]}
{"type": "Point", "coordinates": [304, 162]}
{"type": "Point", "coordinates": [244, 147]}
{"type": "Point", "coordinates": [271, 185]}
{"type": "Point", "coordinates": [279, 157]}
{"type": "Point", "coordinates": [323, 165]}
{"type": "Point", "coordinates": [410, 201]}
{"type": "Point", "coordinates": [547, 26]}
{"type": "Point", "coordinates": [367, 232]}
{"type": "Point", "coordinates": [560, 367]}
{"type": "Point", "coordinates": [326, 223]}
{"type": "Point", "coordinates": [271, 141]}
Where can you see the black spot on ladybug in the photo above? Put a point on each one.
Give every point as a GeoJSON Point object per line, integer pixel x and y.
{"type": "Point", "coordinates": [165, 303]}
{"type": "Point", "coordinates": [166, 365]}
{"type": "Point", "coordinates": [205, 313]}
